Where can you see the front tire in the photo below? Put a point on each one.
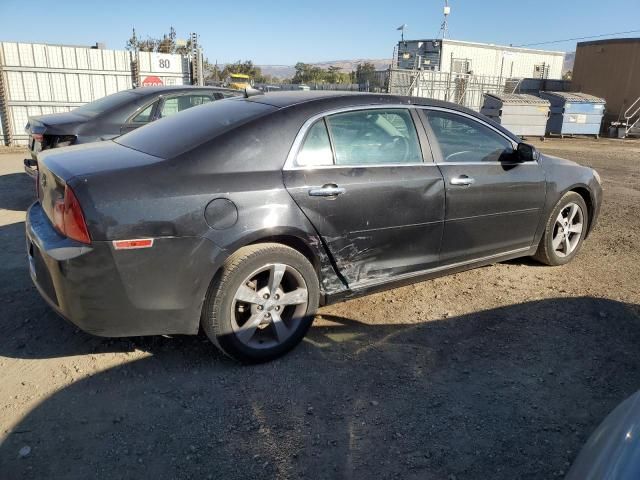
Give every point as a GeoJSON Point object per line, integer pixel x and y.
{"type": "Point", "coordinates": [262, 302]}
{"type": "Point", "coordinates": [564, 231]}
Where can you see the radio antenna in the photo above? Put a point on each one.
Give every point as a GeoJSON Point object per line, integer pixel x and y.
{"type": "Point", "coordinates": [444, 27]}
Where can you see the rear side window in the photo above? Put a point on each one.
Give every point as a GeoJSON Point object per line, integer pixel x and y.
{"type": "Point", "coordinates": [173, 105]}
{"type": "Point", "coordinates": [145, 115]}
{"type": "Point", "coordinates": [379, 136]}
{"type": "Point", "coordinates": [182, 132]}
{"type": "Point", "coordinates": [316, 149]}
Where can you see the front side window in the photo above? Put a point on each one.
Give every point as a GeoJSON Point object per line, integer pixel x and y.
{"type": "Point", "coordinates": [316, 149]}
{"type": "Point", "coordinates": [173, 105]}
{"type": "Point", "coordinates": [378, 136]}
{"type": "Point", "coordinates": [462, 139]}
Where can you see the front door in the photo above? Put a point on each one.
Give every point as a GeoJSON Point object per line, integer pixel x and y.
{"type": "Point", "coordinates": [494, 201]}
{"type": "Point", "coordinates": [360, 178]}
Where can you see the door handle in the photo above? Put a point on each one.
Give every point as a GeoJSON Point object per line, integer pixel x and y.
{"type": "Point", "coordinates": [328, 190]}
{"type": "Point", "coordinates": [462, 180]}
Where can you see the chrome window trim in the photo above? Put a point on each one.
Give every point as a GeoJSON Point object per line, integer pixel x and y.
{"type": "Point", "coordinates": [510, 164]}
{"type": "Point", "coordinates": [290, 163]}
{"type": "Point", "coordinates": [359, 165]}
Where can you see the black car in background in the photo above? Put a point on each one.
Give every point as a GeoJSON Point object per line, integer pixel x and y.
{"type": "Point", "coordinates": [113, 115]}
{"type": "Point", "coordinates": [242, 216]}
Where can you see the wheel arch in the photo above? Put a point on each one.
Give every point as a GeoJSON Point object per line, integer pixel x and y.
{"type": "Point", "coordinates": [295, 242]}
{"type": "Point", "coordinates": [587, 196]}
{"type": "Point", "coordinates": [308, 244]}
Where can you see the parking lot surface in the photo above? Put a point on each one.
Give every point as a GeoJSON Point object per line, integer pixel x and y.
{"type": "Point", "coordinates": [498, 372]}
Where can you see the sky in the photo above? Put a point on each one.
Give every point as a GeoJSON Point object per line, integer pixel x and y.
{"type": "Point", "coordinates": [288, 31]}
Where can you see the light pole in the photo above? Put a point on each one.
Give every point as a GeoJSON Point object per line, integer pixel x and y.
{"type": "Point", "coordinates": [401, 28]}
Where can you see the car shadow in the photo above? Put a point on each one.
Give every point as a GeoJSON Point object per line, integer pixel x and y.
{"type": "Point", "coordinates": [17, 191]}
{"type": "Point", "coordinates": [511, 392]}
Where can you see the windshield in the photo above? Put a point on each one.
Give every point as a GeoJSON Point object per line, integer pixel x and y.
{"type": "Point", "coordinates": [105, 103]}
{"type": "Point", "coordinates": [184, 131]}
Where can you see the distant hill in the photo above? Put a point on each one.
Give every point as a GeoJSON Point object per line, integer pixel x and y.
{"type": "Point", "coordinates": [288, 71]}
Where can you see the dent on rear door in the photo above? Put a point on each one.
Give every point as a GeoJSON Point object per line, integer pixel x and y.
{"type": "Point", "coordinates": [389, 220]}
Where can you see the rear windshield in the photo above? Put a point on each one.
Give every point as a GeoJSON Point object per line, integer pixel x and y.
{"type": "Point", "coordinates": [179, 133]}
{"type": "Point", "coordinates": [106, 103]}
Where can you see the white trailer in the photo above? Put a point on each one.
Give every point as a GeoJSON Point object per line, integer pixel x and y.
{"type": "Point", "coordinates": [483, 59]}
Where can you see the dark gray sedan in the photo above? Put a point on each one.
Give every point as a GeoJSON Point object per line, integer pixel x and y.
{"type": "Point", "coordinates": [242, 216]}
{"type": "Point", "coordinates": [113, 115]}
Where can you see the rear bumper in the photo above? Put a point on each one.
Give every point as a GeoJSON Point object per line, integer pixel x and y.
{"type": "Point", "coordinates": [112, 293]}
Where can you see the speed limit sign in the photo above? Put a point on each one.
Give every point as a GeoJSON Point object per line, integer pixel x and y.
{"type": "Point", "coordinates": [162, 62]}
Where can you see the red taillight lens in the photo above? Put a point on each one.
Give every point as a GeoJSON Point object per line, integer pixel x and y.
{"type": "Point", "coordinates": [38, 137]}
{"type": "Point", "coordinates": [68, 217]}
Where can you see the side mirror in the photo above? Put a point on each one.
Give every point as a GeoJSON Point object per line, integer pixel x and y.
{"type": "Point", "coordinates": [527, 153]}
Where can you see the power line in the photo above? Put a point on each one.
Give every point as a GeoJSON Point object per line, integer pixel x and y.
{"type": "Point", "coordinates": [578, 38]}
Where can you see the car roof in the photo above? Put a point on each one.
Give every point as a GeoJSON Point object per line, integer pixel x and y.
{"type": "Point", "coordinates": [285, 99]}
{"type": "Point", "coordinates": [177, 88]}
{"type": "Point", "coordinates": [324, 100]}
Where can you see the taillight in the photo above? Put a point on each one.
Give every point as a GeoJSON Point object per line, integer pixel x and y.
{"type": "Point", "coordinates": [68, 218]}
{"type": "Point", "coordinates": [38, 137]}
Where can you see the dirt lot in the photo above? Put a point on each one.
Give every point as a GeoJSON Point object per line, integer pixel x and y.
{"type": "Point", "coordinates": [499, 372]}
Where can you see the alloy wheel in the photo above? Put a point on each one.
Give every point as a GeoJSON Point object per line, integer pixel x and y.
{"type": "Point", "coordinates": [268, 306]}
{"type": "Point", "coordinates": [567, 230]}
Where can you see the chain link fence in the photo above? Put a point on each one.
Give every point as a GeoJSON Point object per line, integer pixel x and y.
{"type": "Point", "coordinates": [464, 89]}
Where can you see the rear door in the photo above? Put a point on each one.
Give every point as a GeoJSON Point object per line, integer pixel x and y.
{"type": "Point", "coordinates": [366, 180]}
{"type": "Point", "coordinates": [494, 202]}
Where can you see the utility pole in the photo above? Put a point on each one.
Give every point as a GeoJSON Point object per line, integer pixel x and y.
{"type": "Point", "coordinates": [444, 27]}
{"type": "Point", "coordinates": [401, 28]}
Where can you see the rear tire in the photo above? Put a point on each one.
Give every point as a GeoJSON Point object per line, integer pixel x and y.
{"type": "Point", "coordinates": [262, 302]}
{"type": "Point", "coordinates": [564, 232]}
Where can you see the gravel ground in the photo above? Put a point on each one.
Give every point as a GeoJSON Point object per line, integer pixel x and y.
{"type": "Point", "coordinates": [499, 372]}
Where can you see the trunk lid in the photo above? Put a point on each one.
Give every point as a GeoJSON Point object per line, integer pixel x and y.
{"type": "Point", "coordinates": [55, 120]}
{"type": "Point", "coordinates": [58, 124]}
{"type": "Point", "coordinates": [58, 167]}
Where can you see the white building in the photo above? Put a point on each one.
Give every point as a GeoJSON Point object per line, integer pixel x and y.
{"type": "Point", "coordinates": [485, 59]}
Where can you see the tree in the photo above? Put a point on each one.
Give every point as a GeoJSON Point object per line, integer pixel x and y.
{"type": "Point", "coordinates": [307, 73]}
{"type": "Point", "coordinates": [165, 44]}
{"type": "Point", "coordinates": [365, 72]}
{"type": "Point", "coordinates": [334, 74]}
{"type": "Point", "coordinates": [212, 72]}
{"type": "Point", "coordinates": [247, 68]}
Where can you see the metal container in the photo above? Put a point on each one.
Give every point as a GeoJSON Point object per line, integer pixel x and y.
{"type": "Point", "coordinates": [522, 114]}
{"type": "Point", "coordinates": [534, 86]}
{"type": "Point", "coordinates": [574, 113]}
